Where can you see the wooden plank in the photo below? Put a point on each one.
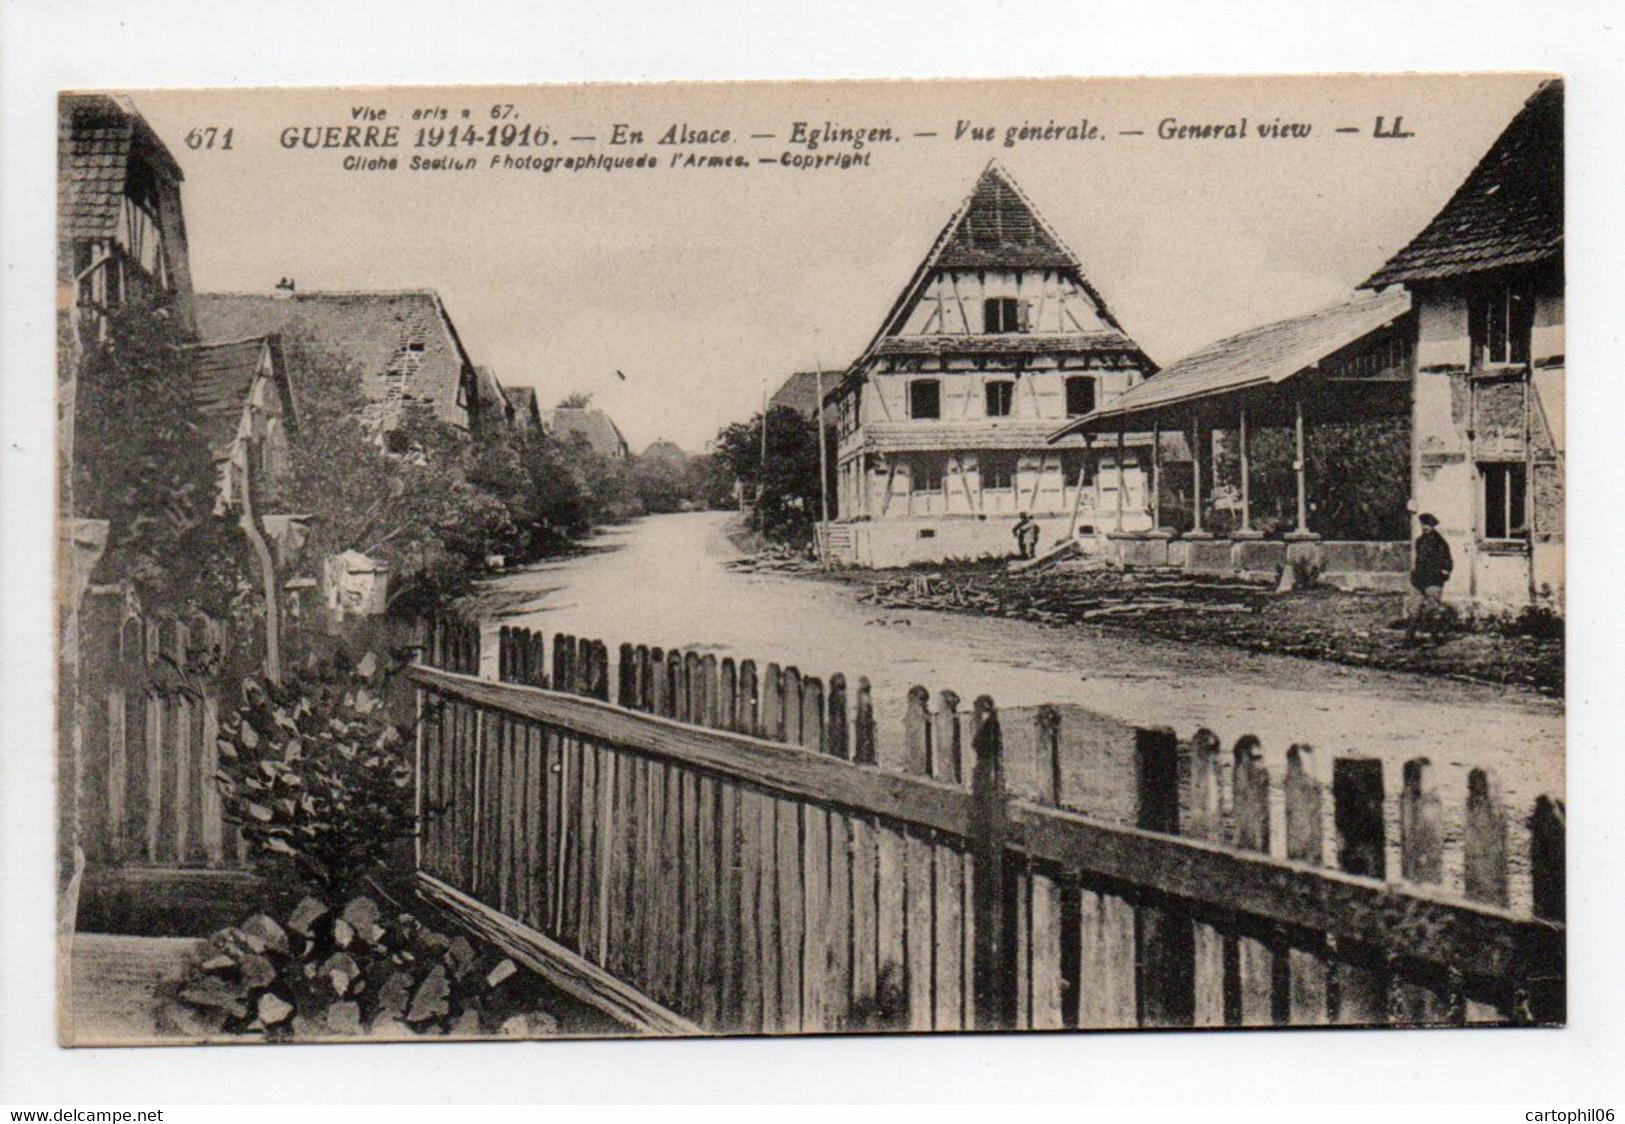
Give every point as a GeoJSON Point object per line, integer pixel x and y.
{"type": "Point", "coordinates": [1044, 973]}
{"type": "Point", "coordinates": [1421, 824]}
{"type": "Point", "coordinates": [727, 695]}
{"type": "Point", "coordinates": [1542, 969]}
{"type": "Point", "coordinates": [711, 692]}
{"type": "Point", "coordinates": [1165, 940]}
{"type": "Point", "coordinates": [1484, 864]}
{"type": "Point", "coordinates": [838, 922]}
{"type": "Point", "coordinates": [949, 1010]}
{"type": "Point", "coordinates": [1207, 822]}
{"type": "Point", "coordinates": [692, 879]}
{"type": "Point", "coordinates": [1362, 848]}
{"type": "Point", "coordinates": [670, 965]}
{"type": "Point", "coordinates": [559, 965]}
{"type": "Point", "coordinates": [837, 738]}
{"type": "Point", "coordinates": [1255, 959]}
{"type": "Point", "coordinates": [772, 704]}
{"type": "Point", "coordinates": [994, 899]}
{"type": "Point", "coordinates": [789, 906]}
{"type": "Point", "coordinates": [1307, 971]}
{"type": "Point", "coordinates": [917, 732]}
{"type": "Point", "coordinates": [1106, 988]}
{"type": "Point", "coordinates": [767, 912]}
{"type": "Point", "coordinates": [747, 717]}
{"type": "Point", "coordinates": [815, 883]}
{"type": "Point", "coordinates": [863, 725]}
{"type": "Point", "coordinates": [865, 919]}
{"type": "Point", "coordinates": [753, 954]}
{"type": "Point", "coordinates": [730, 924]}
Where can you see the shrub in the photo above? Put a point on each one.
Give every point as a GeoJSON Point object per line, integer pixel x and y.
{"type": "Point", "coordinates": [353, 971]}
{"type": "Point", "coordinates": [317, 775]}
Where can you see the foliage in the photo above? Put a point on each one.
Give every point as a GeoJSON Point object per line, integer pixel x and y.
{"type": "Point", "coordinates": [431, 503]}
{"type": "Point", "coordinates": [317, 775]}
{"type": "Point", "coordinates": [322, 971]}
{"type": "Point", "coordinates": [576, 400]}
{"type": "Point", "coordinates": [786, 483]}
{"type": "Point", "coordinates": [141, 461]}
{"type": "Point", "coordinates": [1539, 622]}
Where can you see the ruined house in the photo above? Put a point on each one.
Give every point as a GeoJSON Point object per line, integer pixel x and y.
{"type": "Point", "coordinates": [1486, 276]}
{"type": "Point", "coordinates": [997, 339]}
{"type": "Point", "coordinates": [404, 343]}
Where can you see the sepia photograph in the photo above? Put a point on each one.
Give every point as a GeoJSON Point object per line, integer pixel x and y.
{"type": "Point", "coordinates": [810, 558]}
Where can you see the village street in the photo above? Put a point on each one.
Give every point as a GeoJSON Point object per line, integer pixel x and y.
{"type": "Point", "coordinates": [665, 580]}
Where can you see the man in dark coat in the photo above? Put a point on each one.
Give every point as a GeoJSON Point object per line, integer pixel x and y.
{"type": "Point", "coordinates": [1026, 533]}
{"type": "Point", "coordinates": [1430, 570]}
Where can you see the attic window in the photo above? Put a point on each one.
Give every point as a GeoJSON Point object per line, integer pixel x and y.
{"type": "Point", "coordinates": [1002, 315]}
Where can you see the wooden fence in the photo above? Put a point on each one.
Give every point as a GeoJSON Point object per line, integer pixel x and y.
{"type": "Point", "coordinates": [150, 696]}
{"type": "Point", "coordinates": [717, 850]}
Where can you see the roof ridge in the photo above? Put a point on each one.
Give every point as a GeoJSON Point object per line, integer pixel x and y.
{"type": "Point", "coordinates": [425, 291]}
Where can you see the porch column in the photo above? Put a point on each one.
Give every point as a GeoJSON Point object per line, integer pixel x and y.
{"type": "Point", "coordinates": [1156, 474]}
{"type": "Point", "coordinates": [1121, 478]}
{"type": "Point", "coordinates": [1246, 473]}
{"type": "Point", "coordinates": [1299, 466]}
{"type": "Point", "coordinates": [1196, 474]}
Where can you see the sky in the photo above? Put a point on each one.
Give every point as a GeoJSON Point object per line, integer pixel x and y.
{"type": "Point", "coordinates": [705, 286]}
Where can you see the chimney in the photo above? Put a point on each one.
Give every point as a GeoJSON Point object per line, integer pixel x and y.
{"type": "Point", "coordinates": [284, 289]}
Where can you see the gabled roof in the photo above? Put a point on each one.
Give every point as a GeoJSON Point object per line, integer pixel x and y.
{"type": "Point", "coordinates": [589, 423]}
{"type": "Point", "coordinates": [96, 135]}
{"type": "Point", "coordinates": [374, 330]}
{"type": "Point", "coordinates": [224, 378]}
{"type": "Point", "coordinates": [1270, 354]}
{"type": "Point", "coordinates": [1508, 212]}
{"type": "Point", "coordinates": [1049, 343]}
{"type": "Point", "coordinates": [996, 227]}
{"type": "Point", "coordinates": [799, 392]}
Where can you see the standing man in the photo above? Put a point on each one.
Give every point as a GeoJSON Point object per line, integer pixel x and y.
{"type": "Point", "coordinates": [1026, 533]}
{"type": "Point", "coordinates": [1430, 570]}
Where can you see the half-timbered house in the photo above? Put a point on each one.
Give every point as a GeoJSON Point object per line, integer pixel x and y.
{"type": "Point", "coordinates": [996, 340]}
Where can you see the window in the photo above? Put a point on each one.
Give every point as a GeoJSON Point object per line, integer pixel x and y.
{"type": "Point", "coordinates": [1080, 395]}
{"type": "Point", "coordinates": [1500, 323]}
{"type": "Point", "coordinates": [925, 474]}
{"type": "Point", "coordinates": [925, 399]}
{"type": "Point", "coordinates": [1003, 314]}
{"type": "Point", "coordinates": [1001, 397]}
{"type": "Point", "coordinates": [1505, 492]}
{"type": "Point", "coordinates": [998, 471]}
{"type": "Point", "coordinates": [1075, 464]}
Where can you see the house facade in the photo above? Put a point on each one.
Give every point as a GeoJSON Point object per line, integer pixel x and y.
{"type": "Point", "coordinates": [943, 421]}
{"type": "Point", "coordinates": [1486, 277]}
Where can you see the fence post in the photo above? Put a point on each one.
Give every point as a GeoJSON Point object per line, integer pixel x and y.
{"type": "Point", "coordinates": [917, 732]}
{"type": "Point", "coordinates": [1166, 942]}
{"type": "Point", "coordinates": [992, 902]}
{"type": "Point", "coordinates": [748, 719]}
{"type": "Point", "coordinates": [863, 725]}
{"type": "Point", "coordinates": [1047, 756]}
{"type": "Point", "coordinates": [835, 730]}
{"type": "Point", "coordinates": [1362, 848]}
{"type": "Point", "coordinates": [1543, 973]}
{"type": "Point", "coordinates": [728, 694]}
{"type": "Point", "coordinates": [1307, 973]}
{"type": "Point", "coordinates": [1484, 867]}
{"type": "Point", "coordinates": [1421, 830]}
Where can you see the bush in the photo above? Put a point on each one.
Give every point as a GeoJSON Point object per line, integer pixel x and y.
{"type": "Point", "coordinates": [1538, 622]}
{"type": "Point", "coordinates": [353, 971]}
{"type": "Point", "coordinates": [317, 776]}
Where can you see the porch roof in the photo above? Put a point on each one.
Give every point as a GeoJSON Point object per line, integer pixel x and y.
{"type": "Point", "coordinates": [1262, 356]}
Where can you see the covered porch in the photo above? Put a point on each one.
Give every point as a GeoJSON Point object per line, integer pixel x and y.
{"type": "Point", "coordinates": [1284, 450]}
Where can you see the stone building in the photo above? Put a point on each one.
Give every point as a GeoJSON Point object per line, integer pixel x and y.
{"type": "Point", "coordinates": [1486, 277]}
{"type": "Point", "coordinates": [997, 339]}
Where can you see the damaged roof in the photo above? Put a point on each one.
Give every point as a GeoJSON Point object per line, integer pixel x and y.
{"type": "Point", "coordinates": [1269, 354]}
{"type": "Point", "coordinates": [224, 378]}
{"type": "Point", "coordinates": [1508, 212]}
{"type": "Point", "coordinates": [401, 340]}
{"type": "Point", "coordinates": [96, 136]}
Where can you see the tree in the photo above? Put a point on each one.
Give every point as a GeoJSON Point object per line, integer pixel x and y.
{"type": "Point", "coordinates": [576, 400]}
{"type": "Point", "coordinates": [142, 461]}
{"type": "Point", "coordinates": [786, 483]}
